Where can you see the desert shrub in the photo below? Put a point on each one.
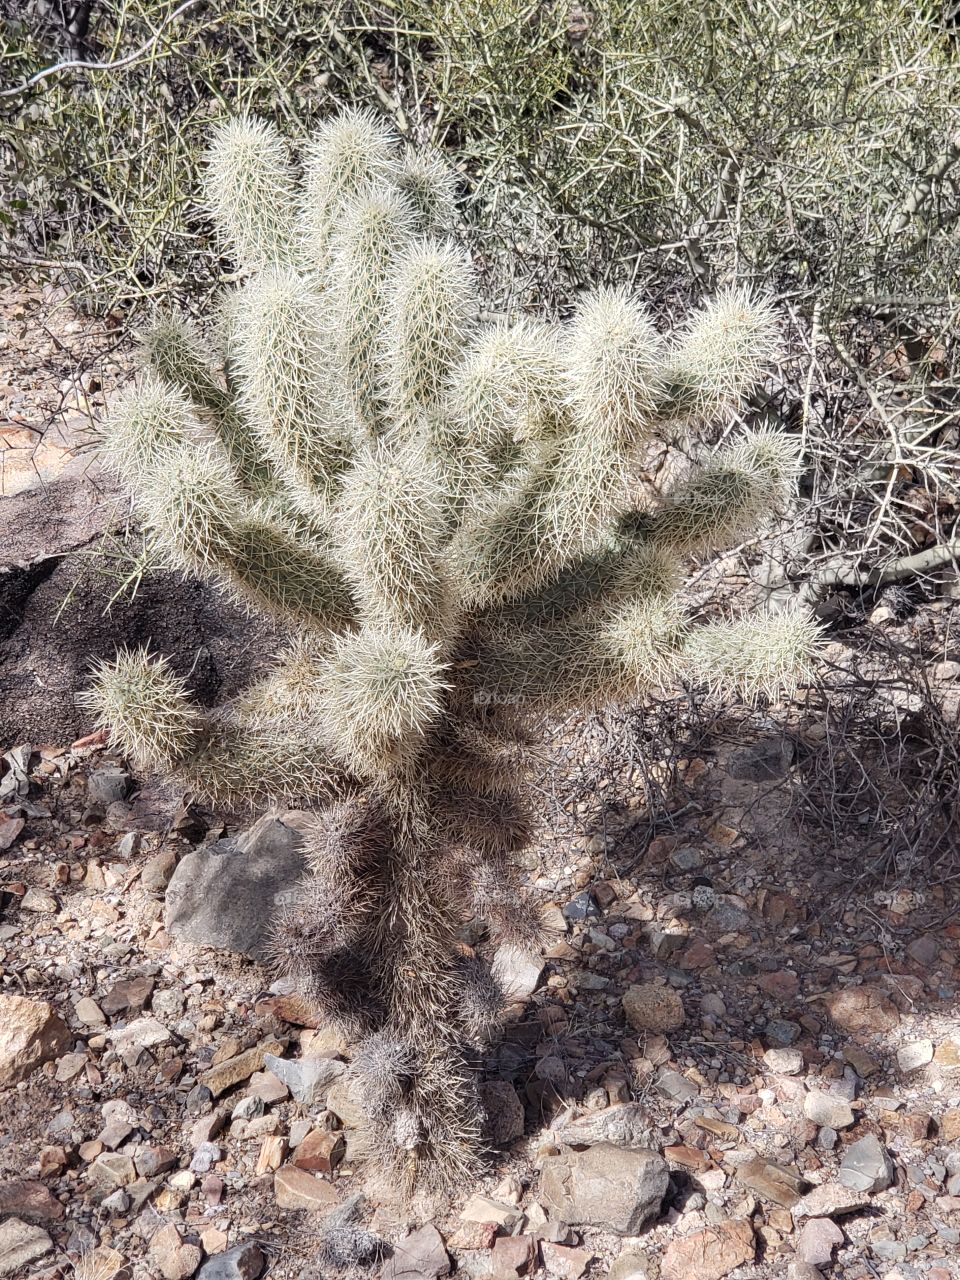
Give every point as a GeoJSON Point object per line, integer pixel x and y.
{"type": "Point", "coordinates": [467, 523]}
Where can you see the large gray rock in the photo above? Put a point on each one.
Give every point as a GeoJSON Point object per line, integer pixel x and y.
{"type": "Point", "coordinates": [604, 1186]}
{"type": "Point", "coordinates": [224, 895]}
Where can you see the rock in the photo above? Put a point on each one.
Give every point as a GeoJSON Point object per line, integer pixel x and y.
{"type": "Point", "coordinates": [308, 1079]}
{"type": "Point", "coordinates": [89, 1013]}
{"type": "Point", "coordinates": [244, 1261]}
{"type": "Point", "coordinates": [950, 1125]}
{"type": "Point", "coordinates": [862, 1010]}
{"type": "Point", "coordinates": [106, 786]}
{"type": "Point", "coordinates": [827, 1110]}
{"type": "Point", "coordinates": [21, 1244]}
{"type": "Point", "coordinates": [781, 1032]}
{"type": "Point", "coordinates": [240, 1067]}
{"type": "Point", "coordinates": [830, 1200]}
{"type": "Point", "coordinates": [649, 1007]}
{"type": "Point", "coordinates": [158, 871]}
{"type": "Point", "coordinates": [143, 1033]}
{"type": "Point", "coordinates": [298, 1189]}
{"type": "Point", "coordinates": [631, 1266]}
{"type": "Point", "coordinates": [673, 1085]}
{"type": "Point", "coordinates": [625, 1125]}
{"type": "Point", "coordinates": [516, 971]}
{"type": "Point", "coordinates": [422, 1255]}
{"type": "Point", "coordinates": [504, 1112]}
{"type": "Point", "coordinates": [817, 1241]}
{"type": "Point", "coordinates": [614, 1188]}
{"type": "Point", "coordinates": [130, 995]}
{"type": "Point", "coordinates": [562, 1261]}
{"type": "Point", "coordinates": [150, 1162]}
{"type": "Point", "coordinates": [800, 1270]}
{"type": "Point", "coordinates": [321, 1150]}
{"type": "Point", "coordinates": [513, 1256]}
{"type": "Point", "coordinates": [910, 1057]}
{"type": "Point", "coordinates": [222, 895]}
{"type": "Point", "coordinates": [686, 858]}
{"type": "Point", "coordinates": [866, 1165]}
{"type": "Point", "coordinates": [30, 1034]}
{"type": "Point", "coordinates": [32, 1201]}
{"type": "Point", "coordinates": [785, 1062]}
{"type": "Point", "coordinates": [483, 1209]}
{"type": "Point", "coordinates": [771, 1181]}
{"type": "Point", "coordinates": [112, 1170]}
{"type": "Point", "coordinates": [783, 984]}
{"type": "Point", "coordinates": [180, 1262]}
{"type": "Point", "coordinates": [343, 1104]}
{"type": "Point", "coordinates": [580, 908]}
{"type": "Point", "coordinates": [709, 1254]}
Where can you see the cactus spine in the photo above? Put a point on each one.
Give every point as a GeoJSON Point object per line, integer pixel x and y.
{"type": "Point", "coordinates": [444, 513]}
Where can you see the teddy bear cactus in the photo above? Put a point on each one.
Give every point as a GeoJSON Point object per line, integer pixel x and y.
{"type": "Point", "coordinates": [459, 520]}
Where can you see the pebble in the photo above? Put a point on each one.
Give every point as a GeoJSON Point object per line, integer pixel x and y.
{"type": "Point", "coordinates": [817, 1241]}
{"type": "Point", "coordinates": [785, 1062]}
{"type": "Point", "coordinates": [827, 1110]}
{"type": "Point", "coordinates": [910, 1057]}
{"type": "Point", "coordinates": [651, 1007]}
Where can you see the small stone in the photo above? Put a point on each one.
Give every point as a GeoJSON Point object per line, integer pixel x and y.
{"type": "Point", "coordinates": [829, 1200]}
{"type": "Point", "coordinates": [649, 1007]}
{"type": "Point", "coordinates": [582, 907]}
{"type": "Point", "coordinates": [513, 1256]}
{"type": "Point", "coordinates": [483, 1209]}
{"type": "Point", "coordinates": [624, 1125]}
{"type": "Point", "coordinates": [128, 846]}
{"type": "Point", "coordinates": [947, 1055]}
{"type": "Point", "coordinates": [910, 1057]}
{"type": "Point", "coordinates": [676, 1086]}
{"type": "Point", "coordinates": [240, 1067]}
{"type": "Point", "coordinates": [32, 1201]}
{"type": "Point", "coordinates": [180, 1263]}
{"type": "Point", "coordinates": [565, 1262]}
{"type": "Point", "coordinates": [516, 971]}
{"type": "Point", "coordinates": [863, 1010]}
{"type": "Point", "coordinates": [631, 1266]}
{"type": "Point", "coordinates": [308, 1079]}
{"type": "Point", "coordinates": [781, 1032]}
{"type": "Point", "coordinates": [321, 1150]}
{"type": "Point", "coordinates": [817, 1241]}
{"type": "Point", "coordinates": [422, 1255]}
{"type": "Point", "coordinates": [143, 1033]}
{"type": "Point", "coordinates": [800, 1270]}
{"type": "Point", "coordinates": [828, 1110]}
{"type": "Point", "coordinates": [785, 1062]}
{"type": "Point", "coordinates": [504, 1112]}
{"type": "Point", "coordinates": [205, 1157]}
{"type": "Point", "coordinates": [950, 1125]}
{"type": "Point", "coordinates": [604, 1186]}
{"type": "Point", "coordinates": [30, 1034]}
{"type": "Point", "coordinates": [106, 786]}
{"type": "Point", "coordinates": [686, 858]}
{"type": "Point", "coordinates": [150, 1161]}
{"type": "Point", "coordinates": [69, 1067]}
{"type": "Point", "coordinates": [130, 995]}
{"type": "Point", "coordinates": [21, 1244]}
{"type": "Point", "coordinates": [112, 1170]}
{"type": "Point", "coordinates": [298, 1189]}
{"type": "Point", "coordinates": [272, 1151]}
{"type": "Point", "coordinates": [783, 984]}
{"type": "Point", "coordinates": [866, 1165]}
{"type": "Point", "coordinates": [343, 1104]}
{"type": "Point", "coordinates": [244, 1261]}
{"type": "Point", "coordinates": [158, 871]}
{"type": "Point", "coordinates": [89, 1013]}
{"type": "Point", "coordinates": [863, 1063]}
{"type": "Point", "coordinates": [777, 1182]}
{"type": "Point", "coordinates": [709, 1254]}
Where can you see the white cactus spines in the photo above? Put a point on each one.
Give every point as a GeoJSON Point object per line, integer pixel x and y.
{"type": "Point", "coordinates": [443, 510]}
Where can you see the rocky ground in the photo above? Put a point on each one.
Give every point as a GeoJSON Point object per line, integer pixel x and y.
{"type": "Point", "coordinates": [739, 1055]}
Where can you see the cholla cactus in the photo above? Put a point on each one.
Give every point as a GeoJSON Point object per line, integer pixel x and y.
{"type": "Point", "coordinates": [445, 513]}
